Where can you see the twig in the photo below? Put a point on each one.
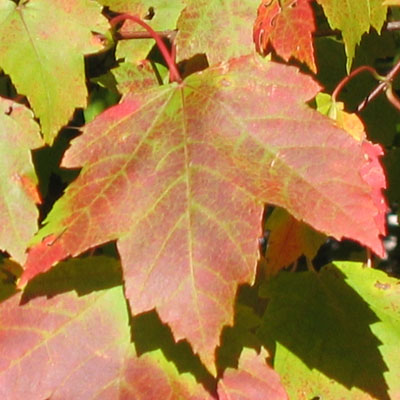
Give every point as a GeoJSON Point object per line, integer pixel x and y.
{"type": "Point", "coordinates": [392, 26]}
{"type": "Point", "coordinates": [389, 26]}
{"type": "Point", "coordinates": [383, 86]}
{"type": "Point", "coordinates": [392, 97]}
{"type": "Point", "coordinates": [369, 262]}
{"type": "Point", "coordinates": [168, 34]}
{"type": "Point", "coordinates": [347, 78]}
{"type": "Point", "coordinates": [174, 73]}
{"type": "Point", "coordinates": [310, 265]}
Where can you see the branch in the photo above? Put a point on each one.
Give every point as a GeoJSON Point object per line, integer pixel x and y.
{"type": "Point", "coordinates": [392, 26]}
{"type": "Point", "coordinates": [384, 86]}
{"type": "Point", "coordinates": [347, 78]}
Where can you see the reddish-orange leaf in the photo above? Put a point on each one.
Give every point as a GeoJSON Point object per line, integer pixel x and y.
{"type": "Point", "coordinates": [373, 174]}
{"type": "Point", "coordinates": [47, 252]}
{"type": "Point", "coordinates": [70, 346]}
{"type": "Point", "coordinates": [288, 240]}
{"type": "Point", "coordinates": [287, 26]}
{"type": "Point", "coordinates": [253, 380]}
{"type": "Point", "coordinates": [28, 186]}
{"type": "Point", "coordinates": [178, 174]}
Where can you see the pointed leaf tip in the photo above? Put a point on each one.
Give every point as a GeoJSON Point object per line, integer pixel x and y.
{"type": "Point", "coordinates": [41, 257]}
{"type": "Point", "coordinates": [253, 380]}
{"type": "Point", "coordinates": [287, 28]}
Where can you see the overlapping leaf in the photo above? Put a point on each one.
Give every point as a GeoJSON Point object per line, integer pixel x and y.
{"type": "Point", "coordinates": [382, 293]}
{"type": "Point", "coordinates": [79, 347]}
{"type": "Point", "coordinates": [42, 43]}
{"type": "Point", "coordinates": [354, 18]}
{"type": "Point", "coordinates": [179, 174]}
{"type": "Point", "coordinates": [372, 172]}
{"type": "Point", "coordinates": [254, 380]}
{"type": "Point", "coordinates": [19, 134]}
{"type": "Point", "coordinates": [161, 15]}
{"type": "Point", "coordinates": [287, 28]}
{"type": "Point", "coordinates": [288, 240]}
{"type": "Point", "coordinates": [220, 29]}
{"type": "Point", "coordinates": [335, 333]}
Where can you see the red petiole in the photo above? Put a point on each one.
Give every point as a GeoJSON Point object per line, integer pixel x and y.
{"type": "Point", "coordinates": [174, 73]}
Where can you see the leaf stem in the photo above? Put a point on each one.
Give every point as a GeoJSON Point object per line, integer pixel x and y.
{"type": "Point", "coordinates": [385, 85]}
{"type": "Point", "coordinates": [392, 97]}
{"type": "Point", "coordinates": [347, 78]}
{"type": "Point", "coordinates": [174, 73]}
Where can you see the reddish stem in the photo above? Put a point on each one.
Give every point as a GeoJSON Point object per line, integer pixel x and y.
{"type": "Point", "coordinates": [383, 86]}
{"type": "Point", "coordinates": [347, 78]}
{"type": "Point", "coordinates": [392, 97]}
{"type": "Point", "coordinates": [174, 73]}
{"type": "Point", "coordinates": [173, 56]}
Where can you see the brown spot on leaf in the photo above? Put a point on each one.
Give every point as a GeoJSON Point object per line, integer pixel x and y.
{"type": "Point", "coordinates": [382, 286]}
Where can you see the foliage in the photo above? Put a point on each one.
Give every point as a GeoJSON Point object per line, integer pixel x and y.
{"type": "Point", "coordinates": [173, 229]}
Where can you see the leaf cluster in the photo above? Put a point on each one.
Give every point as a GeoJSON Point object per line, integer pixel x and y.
{"type": "Point", "coordinates": [192, 195]}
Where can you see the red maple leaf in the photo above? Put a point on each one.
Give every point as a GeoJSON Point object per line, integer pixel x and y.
{"type": "Point", "coordinates": [178, 175]}
{"type": "Point", "coordinates": [287, 26]}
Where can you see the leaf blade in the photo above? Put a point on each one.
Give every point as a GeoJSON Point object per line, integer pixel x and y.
{"type": "Point", "coordinates": [35, 31]}
{"type": "Point", "coordinates": [18, 213]}
{"type": "Point", "coordinates": [354, 18]}
{"type": "Point", "coordinates": [158, 157]}
{"type": "Point", "coordinates": [288, 28]}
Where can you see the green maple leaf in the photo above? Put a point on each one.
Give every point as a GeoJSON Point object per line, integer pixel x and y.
{"type": "Point", "coordinates": [335, 333]}
{"type": "Point", "coordinates": [42, 44]}
{"type": "Point", "coordinates": [354, 18]}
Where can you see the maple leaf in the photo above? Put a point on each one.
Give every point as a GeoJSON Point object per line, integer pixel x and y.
{"type": "Point", "coordinates": [287, 28]}
{"type": "Point", "coordinates": [41, 69]}
{"type": "Point", "coordinates": [351, 123]}
{"type": "Point", "coordinates": [72, 346]}
{"type": "Point", "coordinates": [354, 18]}
{"type": "Point", "coordinates": [181, 187]}
{"type": "Point", "coordinates": [288, 240]}
{"type": "Point", "coordinates": [220, 29]}
{"type": "Point", "coordinates": [161, 14]}
{"type": "Point", "coordinates": [18, 214]}
{"type": "Point", "coordinates": [240, 335]}
{"type": "Point", "coordinates": [253, 380]}
{"type": "Point", "coordinates": [336, 332]}
{"type": "Point", "coordinates": [382, 293]}
{"type": "Point", "coordinates": [131, 77]}
{"type": "Point", "coordinates": [372, 171]}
